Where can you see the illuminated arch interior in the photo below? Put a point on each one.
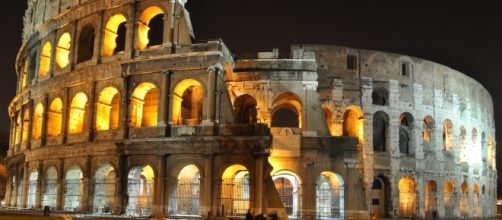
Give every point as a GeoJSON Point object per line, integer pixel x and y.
{"type": "Point", "coordinates": [107, 109]}
{"type": "Point", "coordinates": [77, 113]}
{"type": "Point", "coordinates": [104, 188]}
{"type": "Point", "coordinates": [144, 106]}
{"type": "Point", "coordinates": [447, 135]}
{"type": "Point", "coordinates": [235, 190]}
{"type": "Point", "coordinates": [431, 204]}
{"type": "Point", "coordinates": [428, 125]}
{"type": "Point", "coordinates": [288, 185]}
{"type": "Point", "coordinates": [38, 117]}
{"type": "Point", "coordinates": [32, 189]}
{"type": "Point", "coordinates": [328, 114]}
{"type": "Point", "coordinates": [187, 102]}
{"type": "Point", "coordinates": [287, 111]}
{"type": "Point", "coordinates": [407, 196]}
{"type": "Point", "coordinates": [330, 196]}
{"type": "Point", "coordinates": [55, 118]}
{"type": "Point", "coordinates": [63, 50]}
{"type": "Point", "coordinates": [353, 123]}
{"type": "Point", "coordinates": [26, 125]}
{"type": "Point", "coordinates": [114, 35]}
{"type": "Point", "coordinates": [74, 189]}
{"type": "Point", "coordinates": [24, 76]}
{"type": "Point", "coordinates": [185, 198]}
{"type": "Point", "coordinates": [144, 26]}
{"type": "Point", "coordinates": [140, 188]}
{"type": "Point", "coordinates": [45, 59]}
{"type": "Point", "coordinates": [49, 197]}
{"type": "Point", "coordinates": [464, 199]}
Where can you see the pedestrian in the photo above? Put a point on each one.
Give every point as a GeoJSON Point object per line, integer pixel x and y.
{"type": "Point", "coordinates": [249, 216]}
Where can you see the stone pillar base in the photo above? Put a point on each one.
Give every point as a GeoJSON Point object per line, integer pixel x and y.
{"type": "Point", "coordinates": [357, 214]}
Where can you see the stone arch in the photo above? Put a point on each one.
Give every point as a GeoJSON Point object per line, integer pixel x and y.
{"type": "Point", "coordinates": [288, 185]}
{"type": "Point", "coordinates": [407, 197]}
{"type": "Point", "coordinates": [76, 118]}
{"type": "Point", "coordinates": [380, 131]}
{"type": "Point", "coordinates": [114, 35]}
{"type": "Point", "coordinates": [108, 109]}
{"type": "Point", "coordinates": [74, 187]}
{"type": "Point", "coordinates": [26, 125]}
{"type": "Point", "coordinates": [463, 144]}
{"type": "Point", "coordinates": [287, 111]}
{"type": "Point", "coordinates": [38, 119]}
{"type": "Point", "coordinates": [330, 196]}
{"type": "Point", "coordinates": [45, 59]}
{"type": "Point", "coordinates": [476, 202]}
{"type": "Point", "coordinates": [63, 50]}
{"type": "Point", "coordinates": [328, 115]}
{"type": "Point", "coordinates": [185, 194]}
{"type": "Point", "coordinates": [150, 27]}
{"type": "Point", "coordinates": [428, 128]}
{"type": "Point", "coordinates": [187, 99]}
{"type": "Point", "coordinates": [140, 188]}
{"type": "Point", "coordinates": [447, 135]}
{"type": "Point", "coordinates": [449, 199]}
{"type": "Point", "coordinates": [17, 128]}
{"type": "Point", "coordinates": [380, 96]}
{"type": "Point", "coordinates": [431, 199]}
{"type": "Point", "coordinates": [406, 133]}
{"type": "Point", "coordinates": [144, 105]}
{"type": "Point", "coordinates": [245, 109]}
{"type": "Point", "coordinates": [491, 152]}
{"type": "Point", "coordinates": [55, 118]}
{"type": "Point", "coordinates": [381, 197]}
{"type": "Point", "coordinates": [50, 187]}
{"type": "Point", "coordinates": [32, 189]}
{"type": "Point", "coordinates": [353, 123]}
{"type": "Point", "coordinates": [104, 188]}
{"type": "Point", "coordinates": [235, 190]}
{"type": "Point", "coordinates": [86, 43]}
{"type": "Point", "coordinates": [464, 199]}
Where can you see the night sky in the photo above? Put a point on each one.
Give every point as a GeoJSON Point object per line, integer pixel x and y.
{"type": "Point", "coordinates": [464, 36]}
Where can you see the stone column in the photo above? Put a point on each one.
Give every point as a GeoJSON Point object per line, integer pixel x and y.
{"type": "Point", "coordinates": [207, 186]}
{"type": "Point", "coordinates": [258, 182]}
{"type": "Point", "coordinates": [208, 110]}
{"type": "Point", "coordinates": [87, 197]}
{"type": "Point", "coordinates": [121, 186]}
{"type": "Point", "coordinates": [158, 197]}
{"type": "Point", "coordinates": [38, 201]}
{"type": "Point", "coordinates": [309, 193]}
{"type": "Point", "coordinates": [60, 186]}
{"type": "Point", "coordinates": [26, 183]}
{"type": "Point", "coordinates": [164, 101]}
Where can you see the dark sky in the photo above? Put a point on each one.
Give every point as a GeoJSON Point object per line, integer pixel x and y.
{"type": "Point", "coordinates": [464, 36]}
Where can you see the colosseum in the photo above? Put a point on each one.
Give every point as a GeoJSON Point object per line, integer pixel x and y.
{"type": "Point", "coordinates": [121, 112]}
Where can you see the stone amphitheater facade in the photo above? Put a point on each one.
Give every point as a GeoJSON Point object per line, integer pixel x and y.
{"type": "Point", "coordinates": [120, 112]}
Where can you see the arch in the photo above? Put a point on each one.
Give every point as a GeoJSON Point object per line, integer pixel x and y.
{"type": "Point", "coordinates": [431, 203]}
{"type": "Point", "coordinates": [77, 114]}
{"type": "Point", "coordinates": [381, 199]}
{"type": "Point", "coordinates": [17, 128]}
{"type": "Point", "coordinates": [380, 96]}
{"type": "Point", "coordinates": [245, 109]}
{"type": "Point", "coordinates": [353, 123]}
{"type": "Point", "coordinates": [150, 27]}
{"type": "Point", "coordinates": [428, 126]}
{"type": "Point", "coordinates": [26, 125]}
{"type": "Point", "coordinates": [407, 196]}
{"type": "Point", "coordinates": [32, 189]}
{"type": "Point", "coordinates": [449, 199]}
{"type": "Point", "coordinates": [288, 185]}
{"type": "Point", "coordinates": [38, 119]}
{"type": "Point", "coordinates": [235, 190]}
{"type": "Point", "coordinates": [86, 43]}
{"type": "Point", "coordinates": [108, 109]}
{"type": "Point", "coordinates": [144, 105]}
{"type": "Point", "coordinates": [330, 196]}
{"type": "Point", "coordinates": [45, 59]}
{"type": "Point", "coordinates": [140, 188]}
{"type": "Point", "coordinates": [476, 202]}
{"type": "Point", "coordinates": [463, 144]}
{"type": "Point", "coordinates": [185, 196]}
{"type": "Point", "coordinates": [104, 188]}
{"type": "Point", "coordinates": [475, 151]}
{"type": "Point", "coordinates": [114, 35]}
{"type": "Point", "coordinates": [287, 111]}
{"type": "Point", "coordinates": [49, 197]}
{"type": "Point", "coordinates": [63, 50]}
{"type": "Point", "coordinates": [328, 115]}
{"type": "Point", "coordinates": [24, 75]}
{"type": "Point", "coordinates": [55, 118]}
{"type": "Point", "coordinates": [491, 152]}
{"type": "Point", "coordinates": [464, 199]}
{"type": "Point", "coordinates": [188, 96]}
{"type": "Point", "coordinates": [406, 133]}
{"type": "Point", "coordinates": [380, 131]}
{"type": "Point", "coordinates": [447, 135]}
{"type": "Point", "coordinates": [74, 187]}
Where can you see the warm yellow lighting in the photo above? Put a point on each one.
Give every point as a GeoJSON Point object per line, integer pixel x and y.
{"type": "Point", "coordinates": [63, 50]}
{"type": "Point", "coordinates": [353, 123]}
{"type": "Point", "coordinates": [144, 106]}
{"type": "Point", "coordinates": [428, 125]}
{"type": "Point", "coordinates": [77, 114]}
{"type": "Point", "coordinates": [430, 195]}
{"type": "Point", "coordinates": [407, 196]}
{"type": "Point", "coordinates": [148, 173]}
{"type": "Point", "coordinates": [447, 135]}
{"type": "Point", "coordinates": [187, 102]}
{"type": "Point", "coordinates": [18, 127]}
{"type": "Point", "coordinates": [38, 117]}
{"type": "Point", "coordinates": [107, 109]}
{"type": "Point", "coordinates": [233, 170]}
{"type": "Point", "coordinates": [143, 28]}
{"type": "Point", "coordinates": [329, 120]}
{"type": "Point", "coordinates": [26, 125]}
{"type": "Point", "coordinates": [24, 74]}
{"type": "Point", "coordinates": [188, 172]}
{"type": "Point", "coordinates": [111, 34]}
{"type": "Point", "coordinates": [291, 101]}
{"type": "Point", "coordinates": [55, 118]}
{"type": "Point", "coordinates": [45, 59]}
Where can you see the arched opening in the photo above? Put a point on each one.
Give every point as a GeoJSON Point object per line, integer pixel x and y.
{"type": "Point", "coordinates": [38, 118]}
{"type": "Point", "coordinates": [463, 145]}
{"type": "Point", "coordinates": [187, 99]}
{"type": "Point", "coordinates": [185, 196]}
{"type": "Point", "coordinates": [26, 125]}
{"type": "Point", "coordinates": [104, 189]}
{"type": "Point", "coordinates": [380, 197]}
{"type": "Point", "coordinates": [428, 126]}
{"type": "Point", "coordinates": [475, 154]}
{"type": "Point", "coordinates": [353, 123]}
{"type": "Point", "coordinates": [150, 28]}
{"type": "Point", "coordinates": [144, 106]}
{"type": "Point", "coordinates": [288, 186]}
{"type": "Point", "coordinates": [114, 35]}
{"type": "Point", "coordinates": [464, 200]}
{"type": "Point", "coordinates": [407, 197]}
{"type": "Point", "coordinates": [491, 152]}
{"type": "Point", "coordinates": [86, 43]}
{"type": "Point", "coordinates": [380, 130]}
{"type": "Point", "coordinates": [328, 115]}
{"type": "Point", "coordinates": [49, 197]}
{"type": "Point", "coordinates": [235, 191]}
{"type": "Point", "coordinates": [476, 202]}
{"type": "Point", "coordinates": [245, 109]}
{"type": "Point", "coordinates": [380, 96]}
{"type": "Point", "coordinates": [74, 187]}
{"type": "Point", "coordinates": [55, 118]}
{"type": "Point", "coordinates": [63, 50]}
{"type": "Point", "coordinates": [32, 189]}
{"type": "Point", "coordinates": [108, 109]}
{"type": "Point", "coordinates": [19, 187]}
{"type": "Point", "coordinates": [449, 199]}
{"type": "Point", "coordinates": [406, 133]}
{"type": "Point", "coordinates": [24, 75]}
{"type": "Point", "coordinates": [77, 113]}
{"type": "Point", "coordinates": [140, 188]}
{"type": "Point", "coordinates": [330, 196]}
{"type": "Point", "coordinates": [431, 204]}
{"type": "Point", "coordinates": [17, 129]}
{"type": "Point", "coordinates": [45, 59]}
{"type": "Point", "coordinates": [287, 111]}
{"type": "Point", "coordinates": [447, 135]}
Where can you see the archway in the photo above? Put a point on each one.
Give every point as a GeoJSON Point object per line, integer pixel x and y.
{"type": "Point", "coordinates": [50, 185]}
{"type": "Point", "coordinates": [476, 202]}
{"type": "Point", "coordinates": [287, 111]}
{"type": "Point", "coordinates": [150, 27]}
{"type": "Point", "coordinates": [108, 109]}
{"type": "Point", "coordinates": [114, 35]}
{"type": "Point", "coordinates": [245, 109]}
{"type": "Point", "coordinates": [330, 196]}
{"type": "Point", "coordinates": [185, 196]}
{"type": "Point", "coordinates": [26, 126]}
{"type": "Point", "coordinates": [407, 197]}
{"type": "Point", "coordinates": [428, 126]}
{"type": "Point", "coordinates": [32, 189]}
{"type": "Point", "coordinates": [104, 189]}
{"type": "Point", "coordinates": [38, 119]}
{"type": "Point", "coordinates": [63, 50]}
{"type": "Point", "coordinates": [86, 43]}
{"type": "Point", "coordinates": [380, 194]}
{"type": "Point", "coordinates": [45, 60]}
{"type": "Point", "coordinates": [144, 106]}
{"type": "Point", "coordinates": [380, 96]}
{"type": "Point", "coordinates": [380, 131]}
{"type": "Point", "coordinates": [447, 135]}
{"type": "Point", "coordinates": [77, 115]}
{"type": "Point", "coordinates": [188, 96]}
{"type": "Point", "coordinates": [55, 118]}
{"type": "Point", "coordinates": [140, 188]}
{"type": "Point", "coordinates": [288, 186]}
{"type": "Point", "coordinates": [463, 145]}
{"type": "Point", "coordinates": [464, 200]}
{"type": "Point", "coordinates": [406, 133]}
{"type": "Point", "coordinates": [73, 189]}
{"type": "Point", "coordinates": [353, 123]}
{"type": "Point", "coordinates": [431, 204]}
{"type": "Point", "coordinates": [449, 199]}
{"type": "Point", "coordinates": [235, 191]}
